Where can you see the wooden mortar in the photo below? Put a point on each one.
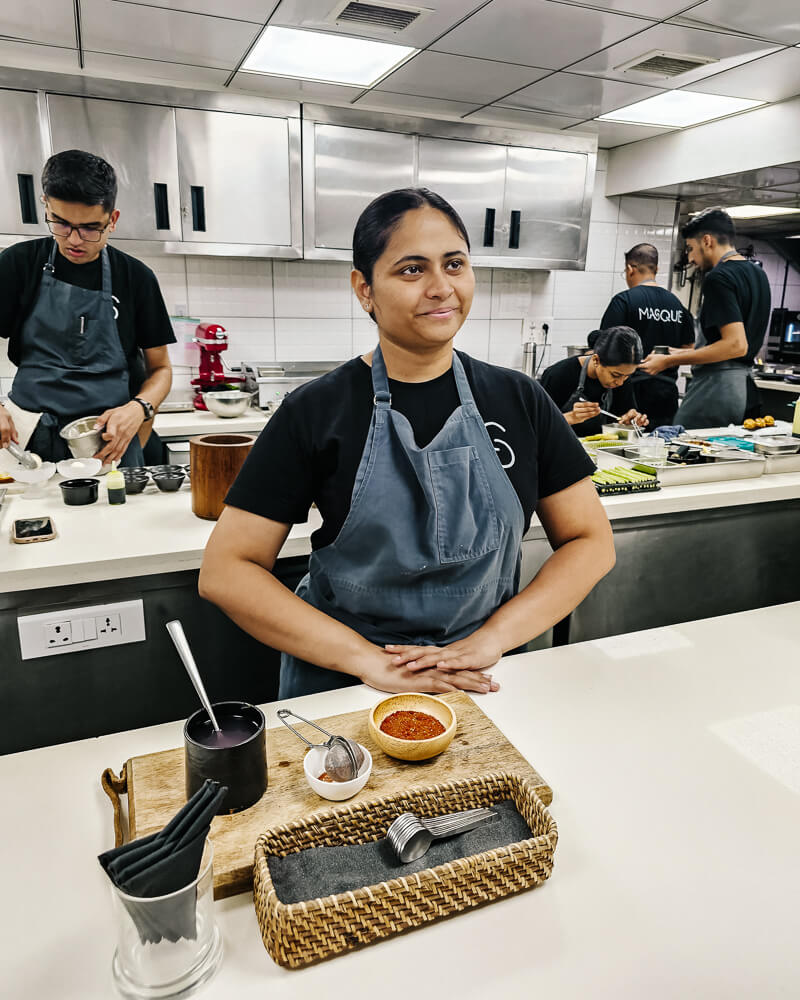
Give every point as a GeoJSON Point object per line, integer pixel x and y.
{"type": "Point", "coordinates": [215, 460]}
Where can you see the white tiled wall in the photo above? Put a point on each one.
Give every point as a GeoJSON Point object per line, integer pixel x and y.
{"type": "Point", "coordinates": [305, 310]}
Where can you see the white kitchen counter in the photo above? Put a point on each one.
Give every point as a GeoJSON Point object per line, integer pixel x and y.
{"type": "Point", "coordinates": [191, 423]}
{"type": "Point", "coordinates": [673, 755]}
{"type": "Point", "coordinates": [157, 533]}
{"type": "Point", "coordinates": [766, 383]}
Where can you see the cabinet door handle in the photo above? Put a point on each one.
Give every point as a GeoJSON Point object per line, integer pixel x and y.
{"type": "Point", "coordinates": [488, 228]}
{"type": "Point", "coordinates": [513, 236]}
{"type": "Point", "coordinates": [198, 209]}
{"type": "Point", "coordinates": [161, 203]}
{"type": "Point", "coordinates": [27, 200]}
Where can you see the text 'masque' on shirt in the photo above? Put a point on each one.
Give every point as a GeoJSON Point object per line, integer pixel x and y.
{"type": "Point", "coordinates": [310, 450]}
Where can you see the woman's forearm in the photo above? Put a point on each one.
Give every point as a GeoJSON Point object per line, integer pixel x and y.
{"type": "Point", "coordinates": [556, 590]}
{"type": "Point", "coordinates": [261, 605]}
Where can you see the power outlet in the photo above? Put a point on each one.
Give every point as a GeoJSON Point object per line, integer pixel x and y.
{"type": "Point", "coordinates": [68, 631]}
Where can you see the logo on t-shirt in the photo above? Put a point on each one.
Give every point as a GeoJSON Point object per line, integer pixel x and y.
{"type": "Point", "coordinates": [116, 311]}
{"type": "Point", "coordinates": [661, 315]}
{"type": "Point", "coordinates": [506, 456]}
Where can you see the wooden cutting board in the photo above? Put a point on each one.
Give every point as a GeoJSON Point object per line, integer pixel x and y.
{"type": "Point", "coordinates": [155, 784]}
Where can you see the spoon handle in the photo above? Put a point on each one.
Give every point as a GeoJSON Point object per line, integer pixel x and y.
{"type": "Point", "coordinates": [176, 632]}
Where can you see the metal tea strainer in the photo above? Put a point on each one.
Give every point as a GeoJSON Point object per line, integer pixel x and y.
{"type": "Point", "coordinates": [344, 756]}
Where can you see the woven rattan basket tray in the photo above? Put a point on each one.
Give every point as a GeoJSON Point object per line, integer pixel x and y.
{"type": "Point", "coordinates": [298, 934]}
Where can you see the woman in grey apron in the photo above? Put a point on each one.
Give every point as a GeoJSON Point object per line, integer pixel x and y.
{"type": "Point", "coordinates": [418, 589]}
{"type": "Point", "coordinates": [72, 363]}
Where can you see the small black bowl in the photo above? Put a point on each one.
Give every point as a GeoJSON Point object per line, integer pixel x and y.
{"type": "Point", "coordinates": [168, 482]}
{"type": "Point", "coordinates": [158, 469]}
{"type": "Point", "coordinates": [135, 484]}
{"type": "Point", "coordinates": [78, 492]}
{"type": "Point", "coordinates": [134, 470]}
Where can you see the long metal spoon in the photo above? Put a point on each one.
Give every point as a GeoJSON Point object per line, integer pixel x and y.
{"type": "Point", "coordinates": [176, 632]}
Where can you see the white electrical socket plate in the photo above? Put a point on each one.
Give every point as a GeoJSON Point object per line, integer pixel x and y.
{"type": "Point", "coordinates": [69, 630]}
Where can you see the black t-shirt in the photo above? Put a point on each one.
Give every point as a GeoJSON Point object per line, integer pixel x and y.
{"type": "Point", "coordinates": [311, 448]}
{"type": "Point", "coordinates": [561, 380]}
{"type": "Point", "coordinates": [736, 291]}
{"type": "Point", "coordinates": [656, 315]}
{"type": "Point", "coordinates": [142, 319]}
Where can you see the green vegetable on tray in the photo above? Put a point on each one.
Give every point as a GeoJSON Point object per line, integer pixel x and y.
{"type": "Point", "coordinates": [621, 475]}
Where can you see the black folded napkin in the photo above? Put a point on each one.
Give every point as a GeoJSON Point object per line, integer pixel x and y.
{"type": "Point", "coordinates": [164, 862]}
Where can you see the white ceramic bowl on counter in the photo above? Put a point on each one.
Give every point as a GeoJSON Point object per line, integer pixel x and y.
{"type": "Point", "coordinates": [336, 791]}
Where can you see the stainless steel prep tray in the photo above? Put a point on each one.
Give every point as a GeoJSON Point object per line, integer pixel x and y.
{"type": "Point", "coordinates": [723, 467]}
{"type": "Point", "coordinates": [781, 444]}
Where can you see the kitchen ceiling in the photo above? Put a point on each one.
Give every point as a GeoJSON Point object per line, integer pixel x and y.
{"type": "Point", "coordinates": [552, 64]}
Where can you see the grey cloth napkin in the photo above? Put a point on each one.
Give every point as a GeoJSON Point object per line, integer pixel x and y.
{"type": "Point", "coordinates": [326, 871]}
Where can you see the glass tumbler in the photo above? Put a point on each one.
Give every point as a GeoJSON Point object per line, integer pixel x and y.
{"type": "Point", "coordinates": [167, 946]}
{"type": "Point", "coordinates": [653, 449]}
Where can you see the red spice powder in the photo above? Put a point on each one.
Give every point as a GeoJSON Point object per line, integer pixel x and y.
{"type": "Point", "coordinates": [407, 725]}
{"type": "Point", "coordinates": [325, 776]}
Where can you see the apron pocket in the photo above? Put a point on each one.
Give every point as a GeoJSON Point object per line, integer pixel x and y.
{"type": "Point", "coordinates": [466, 520]}
{"type": "Point", "coordinates": [94, 350]}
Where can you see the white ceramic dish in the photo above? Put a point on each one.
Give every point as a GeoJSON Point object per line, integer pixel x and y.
{"type": "Point", "coordinates": [79, 468]}
{"type": "Point", "coordinates": [336, 791]}
{"type": "Point", "coordinates": [33, 477]}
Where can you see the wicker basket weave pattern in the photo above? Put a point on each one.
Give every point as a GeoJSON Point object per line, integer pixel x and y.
{"type": "Point", "coordinates": [298, 934]}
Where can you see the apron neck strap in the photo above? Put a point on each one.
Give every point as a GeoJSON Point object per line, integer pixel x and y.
{"type": "Point", "coordinates": [730, 253]}
{"type": "Point", "coordinates": [50, 267]}
{"type": "Point", "coordinates": [606, 398]}
{"type": "Point", "coordinates": [105, 266]}
{"type": "Point", "coordinates": [380, 380]}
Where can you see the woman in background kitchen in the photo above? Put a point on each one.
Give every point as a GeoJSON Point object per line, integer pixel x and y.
{"type": "Point", "coordinates": [582, 386]}
{"type": "Point", "coordinates": [426, 466]}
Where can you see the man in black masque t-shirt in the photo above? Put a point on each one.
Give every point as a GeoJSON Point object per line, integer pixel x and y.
{"type": "Point", "coordinates": [660, 319]}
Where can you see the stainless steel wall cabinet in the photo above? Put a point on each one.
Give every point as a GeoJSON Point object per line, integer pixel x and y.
{"type": "Point", "coordinates": [524, 197]}
{"type": "Point", "coordinates": [21, 212]}
{"type": "Point", "coordinates": [138, 140]}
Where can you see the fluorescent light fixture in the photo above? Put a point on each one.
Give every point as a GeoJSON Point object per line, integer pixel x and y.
{"type": "Point", "coordinates": [679, 109]}
{"type": "Point", "coordinates": [759, 211]}
{"type": "Point", "coordinates": [324, 56]}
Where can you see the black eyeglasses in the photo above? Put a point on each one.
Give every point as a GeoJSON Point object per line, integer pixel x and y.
{"type": "Point", "coordinates": [66, 228]}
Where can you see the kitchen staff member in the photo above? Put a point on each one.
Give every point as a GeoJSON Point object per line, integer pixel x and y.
{"type": "Point", "coordinates": [581, 386]}
{"type": "Point", "coordinates": [660, 319]}
{"type": "Point", "coordinates": [732, 323]}
{"type": "Point", "coordinates": [426, 466]}
{"type": "Point", "coordinates": [86, 323]}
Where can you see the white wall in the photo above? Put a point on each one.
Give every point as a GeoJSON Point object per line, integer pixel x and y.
{"type": "Point", "coordinates": [305, 310]}
{"type": "Point", "coordinates": [774, 268]}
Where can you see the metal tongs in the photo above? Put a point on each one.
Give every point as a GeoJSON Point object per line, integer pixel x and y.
{"type": "Point", "coordinates": [348, 765]}
{"type": "Point", "coordinates": [616, 419]}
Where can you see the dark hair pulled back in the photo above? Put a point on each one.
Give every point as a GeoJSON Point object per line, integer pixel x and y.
{"type": "Point", "coordinates": [383, 215]}
{"type": "Point", "coordinates": [75, 175]}
{"type": "Point", "coordinates": [618, 345]}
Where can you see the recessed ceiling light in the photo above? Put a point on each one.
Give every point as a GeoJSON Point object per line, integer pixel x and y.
{"type": "Point", "coordinates": [324, 56]}
{"type": "Point", "coordinates": [678, 109]}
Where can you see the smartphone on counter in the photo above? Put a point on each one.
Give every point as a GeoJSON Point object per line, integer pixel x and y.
{"type": "Point", "coordinates": [33, 529]}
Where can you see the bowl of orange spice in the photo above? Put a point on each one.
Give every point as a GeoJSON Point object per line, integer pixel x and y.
{"type": "Point", "coordinates": [412, 726]}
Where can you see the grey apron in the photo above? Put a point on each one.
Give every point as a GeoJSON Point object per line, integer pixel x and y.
{"type": "Point", "coordinates": [717, 393]}
{"type": "Point", "coordinates": [431, 545]}
{"type": "Point", "coordinates": [72, 360]}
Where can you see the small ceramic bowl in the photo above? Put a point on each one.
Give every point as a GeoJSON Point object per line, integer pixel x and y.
{"type": "Point", "coordinates": [168, 482]}
{"type": "Point", "coordinates": [413, 749]}
{"type": "Point", "coordinates": [79, 468]}
{"type": "Point", "coordinates": [77, 492]}
{"type": "Point", "coordinates": [135, 484]}
{"type": "Point", "coordinates": [336, 791]}
{"type": "Point", "coordinates": [155, 470]}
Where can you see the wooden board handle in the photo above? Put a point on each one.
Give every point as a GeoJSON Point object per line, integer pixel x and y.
{"type": "Point", "coordinates": [114, 786]}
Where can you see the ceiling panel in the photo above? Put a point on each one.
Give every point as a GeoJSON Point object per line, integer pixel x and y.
{"type": "Point", "coordinates": [777, 19]}
{"type": "Point", "coordinates": [25, 55]}
{"type": "Point", "coordinates": [117, 67]}
{"type": "Point", "coordinates": [256, 11]}
{"type": "Point", "coordinates": [419, 34]}
{"type": "Point", "coordinates": [294, 90]}
{"type": "Point", "coordinates": [459, 78]}
{"type": "Point", "coordinates": [654, 9]}
{"type": "Point", "coordinates": [730, 50]}
{"type": "Point", "coordinates": [39, 21]}
{"type": "Point", "coordinates": [773, 78]}
{"type": "Point", "coordinates": [537, 33]}
{"type": "Point", "coordinates": [610, 134]}
{"type": "Point", "coordinates": [430, 107]}
{"type": "Point", "coordinates": [496, 115]}
{"type": "Point", "coordinates": [172, 36]}
{"type": "Point", "coordinates": [581, 96]}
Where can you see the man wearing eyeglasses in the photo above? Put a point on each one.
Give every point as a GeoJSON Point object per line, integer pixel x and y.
{"type": "Point", "coordinates": [86, 323]}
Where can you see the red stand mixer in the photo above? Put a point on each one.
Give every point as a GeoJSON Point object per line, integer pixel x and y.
{"type": "Point", "coordinates": [211, 339]}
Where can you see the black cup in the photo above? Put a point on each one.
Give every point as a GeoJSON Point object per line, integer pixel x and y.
{"type": "Point", "coordinates": [135, 484]}
{"type": "Point", "coordinates": [77, 492]}
{"type": "Point", "coordinates": [237, 757]}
